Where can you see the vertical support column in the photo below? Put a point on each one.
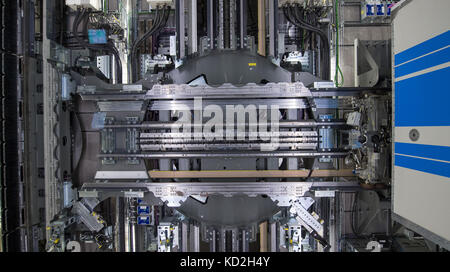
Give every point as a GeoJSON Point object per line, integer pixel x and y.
{"type": "Point", "coordinates": [235, 240]}
{"type": "Point", "coordinates": [242, 22]}
{"type": "Point", "coordinates": [273, 237]}
{"type": "Point", "coordinates": [181, 31]}
{"type": "Point", "coordinates": [332, 225]}
{"type": "Point", "coordinates": [192, 27]}
{"type": "Point", "coordinates": [184, 236]}
{"type": "Point", "coordinates": [220, 38]}
{"type": "Point", "coordinates": [226, 23]}
{"type": "Point", "coordinates": [211, 22]}
{"type": "Point", "coordinates": [273, 26]}
{"type": "Point", "coordinates": [212, 240]}
{"type": "Point", "coordinates": [355, 61]}
{"type": "Point", "coordinates": [133, 237]}
{"type": "Point", "coordinates": [245, 239]}
{"type": "Point", "coordinates": [118, 226]}
{"type": "Point", "coordinates": [262, 27]}
{"type": "Point", "coordinates": [129, 16]}
{"type": "Point", "coordinates": [126, 225]}
{"type": "Point", "coordinates": [194, 238]}
{"type": "Point", "coordinates": [263, 237]}
{"type": "Point", "coordinates": [222, 240]}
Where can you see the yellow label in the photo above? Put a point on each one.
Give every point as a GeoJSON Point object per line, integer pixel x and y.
{"type": "Point", "coordinates": [252, 64]}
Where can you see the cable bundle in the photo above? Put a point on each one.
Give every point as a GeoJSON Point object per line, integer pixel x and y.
{"type": "Point", "coordinates": [297, 16]}
{"type": "Point", "coordinates": [162, 16]}
{"type": "Point", "coordinates": [83, 16]}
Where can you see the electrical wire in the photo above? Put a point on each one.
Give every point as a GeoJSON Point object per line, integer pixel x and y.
{"type": "Point", "coordinates": [293, 15]}
{"type": "Point", "coordinates": [138, 42]}
{"type": "Point", "coordinates": [83, 16]}
{"type": "Point", "coordinates": [326, 46]}
{"type": "Point", "coordinates": [162, 16]}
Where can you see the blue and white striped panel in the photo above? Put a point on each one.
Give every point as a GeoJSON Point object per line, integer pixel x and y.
{"type": "Point", "coordinates": [422, 102]}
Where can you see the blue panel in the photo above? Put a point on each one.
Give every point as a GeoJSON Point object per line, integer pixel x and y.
{"type": "Point", "coordinates": [427, 166]}
{"type": "Point", "coordinates": [370, 10]}
{"type": "Point", "coordinates": [97, 36]}
{"type": "Point", "coordinates": [425, 151]}
{"type": "Point", "coordinates": [428, 61]}
{"type": "Point", "coordinates": [143, 210]}
{"type": "Point", "coordinates": [423, 100]}
{"type": "Point", "coordinates": [380, 9]}
{"type": "Point", "coordinates": [421, 49]}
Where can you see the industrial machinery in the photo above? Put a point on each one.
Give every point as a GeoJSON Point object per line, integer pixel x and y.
{"type": "Point", "coordinates": [207, 125]}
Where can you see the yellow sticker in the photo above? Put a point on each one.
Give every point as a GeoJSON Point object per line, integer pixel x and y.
{"type": "Point", "coordinates": [252, 64]}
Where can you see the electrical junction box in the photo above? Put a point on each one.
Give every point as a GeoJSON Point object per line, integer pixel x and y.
{"type": "Point", "coordinates": [93, 4]}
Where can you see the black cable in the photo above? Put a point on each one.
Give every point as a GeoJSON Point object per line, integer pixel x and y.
{"type": "Point", "coordinates": [116, 54]}
{"type": "Point", "coordinates": [83, 16]}
{"type": "Point", "coordinates": [139, 41]}
{"type": "Point", "coordinates": [160, 22]}
{"type": "Point", "coordinates": [322, 35]}
{"type": "Point", "coordinates": [293, 16]}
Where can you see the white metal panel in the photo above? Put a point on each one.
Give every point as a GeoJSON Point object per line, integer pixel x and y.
{"type": "Point", "coordinates": [428, 135]}
{"type": "Point", "coordinates": [418, 21]}
{"type": "Point", "coordinates": [420, 196]}
{"type": "Point", "coordinates": [423, 199]}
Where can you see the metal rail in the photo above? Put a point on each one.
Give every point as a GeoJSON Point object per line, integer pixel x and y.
{"type": "Point", "coordinates": [230, 154]}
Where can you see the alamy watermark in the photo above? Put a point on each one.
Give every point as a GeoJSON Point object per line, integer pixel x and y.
{"type": "Point", "coordinates": [229, 123]}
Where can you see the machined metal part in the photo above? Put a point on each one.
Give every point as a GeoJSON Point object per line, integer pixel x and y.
{"type": "Point", "coordinates": [90, 219]}
{"type": "Point", "coordinates": [300, 211]}
{"type": "Point", "coordinates": [175, 193]}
